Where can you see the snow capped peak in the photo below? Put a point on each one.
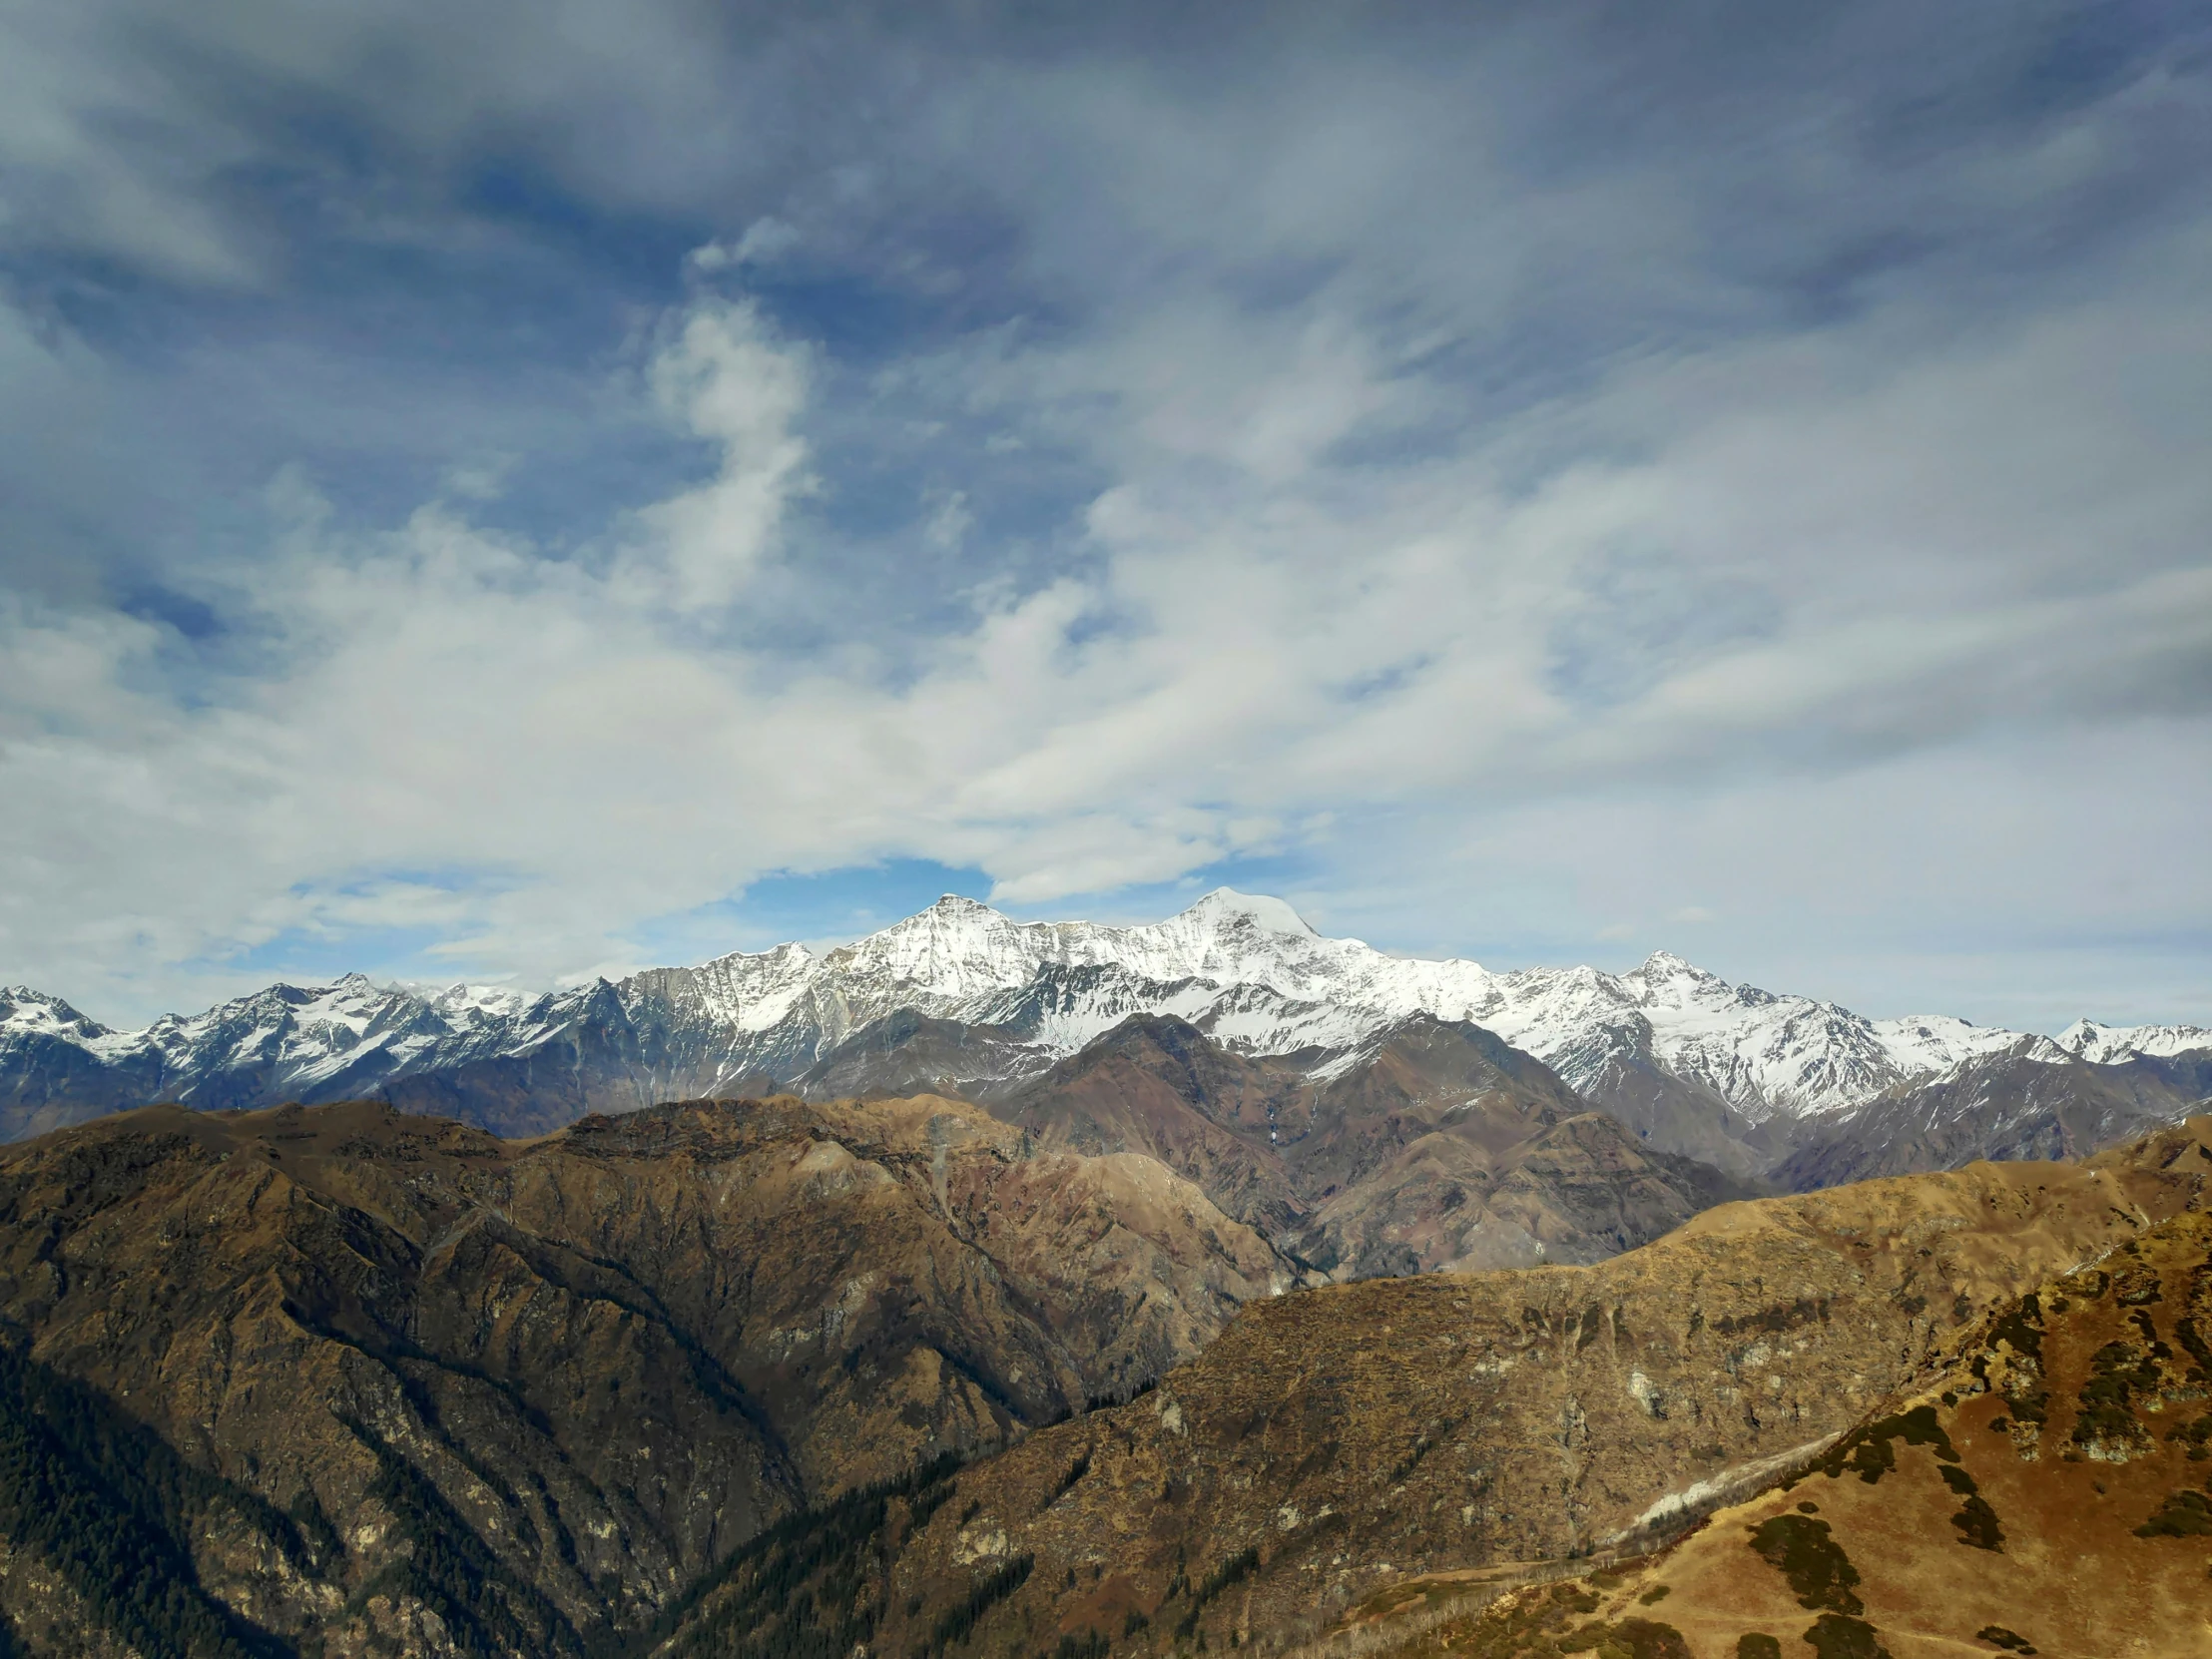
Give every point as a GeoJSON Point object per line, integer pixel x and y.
{"type": "Point", "coordinates": [1224, 907]}
{"type": "Point", "coordinates": [1245, 968]}
{"type": "Point", "coordinates": [2111, 1044]}
{"type": "Point", "coordinates": [36, 1011]}
{"type": "Point", "coordinates": [466, 1005]}
{"type": "Point", "coordinates": [1665, 979]}
{"type": "Point", "coordinates": [957, 946]}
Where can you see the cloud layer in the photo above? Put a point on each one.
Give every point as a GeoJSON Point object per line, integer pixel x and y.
{"type": "Point", "coordinates": [479, 493]}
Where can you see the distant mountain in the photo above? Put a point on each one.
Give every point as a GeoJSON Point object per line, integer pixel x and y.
{"type": "Point", "coordinates": [961, 999]}
{"type": "Point", "coordinates": [1431, 1144]}
{"type": "Point", "coordinates": [2032, 1100]}
{"type": "Point", "coordinates": [2107, 1044]}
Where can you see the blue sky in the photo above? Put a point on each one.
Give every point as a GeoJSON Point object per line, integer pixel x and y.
{"type": "Point", "coordinates": [523, 492]}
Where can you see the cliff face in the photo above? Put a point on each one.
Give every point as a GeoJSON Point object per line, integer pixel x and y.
{"type": "Point", "coordinates": [419, 1385]}
{"type": "Point", "coordinates": [1334, 1441]}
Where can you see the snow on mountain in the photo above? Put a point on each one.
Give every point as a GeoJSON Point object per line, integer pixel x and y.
{"type": "Point", "coordinates": [2111, 1044]}
{"type": "Point", "coordinates": [27, 1011]}
{"type": "Point", "coordinates": [1247, 970]}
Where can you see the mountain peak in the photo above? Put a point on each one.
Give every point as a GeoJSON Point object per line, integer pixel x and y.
{"type": "Point", "coordinates": [955, 904]}
{"type": "Point", "coordinates": [1665, 965]}
{"type": "Point", "coordinates": [951, 914]}
{"type": "Point", "coordinates": [1227, 908]}
{"type": "Point", "coordinates": [2109, 1044]}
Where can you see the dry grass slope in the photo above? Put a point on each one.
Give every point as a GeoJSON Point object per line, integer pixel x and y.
{"type": "Point", "coordinates": [1373, 1454]}
{"type": "Point", "coordinates": [2049, 1493]}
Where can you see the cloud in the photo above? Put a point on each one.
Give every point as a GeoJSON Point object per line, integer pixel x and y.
{"type": "Point", "coordinates": [731, 381]}
{"type": "Point", "coordinates": [765, 239]}
{"type": "Point", "coordinates": [1406, 460]}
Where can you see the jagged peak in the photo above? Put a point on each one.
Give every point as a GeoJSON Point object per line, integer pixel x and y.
{"type": "Point", "coordinates": [2107, 1044]}
{"type": "Point", "coordinates": [960, 905]}
{"type": "Point", "coordinates": [952, 911]}
{"type": "Point", "coordinates": [1665, 965]}
{"type": "Point", "coordinates": [23, 1005]}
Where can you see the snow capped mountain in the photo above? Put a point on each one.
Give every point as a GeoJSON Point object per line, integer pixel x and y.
{"type": "Point", "coordinates": [2109, 1044]}
{"type": "Point", "coordinates": [1007, 999]}
{"type": "Point", "coordinates": [1251, 974]}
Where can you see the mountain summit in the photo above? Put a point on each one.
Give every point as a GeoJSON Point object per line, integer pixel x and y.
{"type": "Point", "coordinates": [1690, 1062]}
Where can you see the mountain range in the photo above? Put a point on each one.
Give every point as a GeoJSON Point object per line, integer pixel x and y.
{"type": "Point", "coordinates": [961, 1000]}
{"type": "Point", "coordinates": [773, 1378]}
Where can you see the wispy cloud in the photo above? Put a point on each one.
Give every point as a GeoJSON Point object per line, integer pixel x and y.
{"type": "Point", "coordinates": [1529, 475]}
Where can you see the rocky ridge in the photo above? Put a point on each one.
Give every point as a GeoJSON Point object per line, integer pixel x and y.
{"type": "Point", "coordinates": [2032, 1100]}
{"type": "Point", "coordinates": [2050, 1492]}
{"type": "Point", "coordinates": [974, 1003]}
{"type": "Point", "coordinates": [702, 1380]}
{"type": "Point", "coordinates": [1433, 1144]}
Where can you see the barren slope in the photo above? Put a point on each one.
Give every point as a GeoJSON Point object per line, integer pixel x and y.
{"type": "Point", "coordinates": [2049, 1493]}
{"type": "Point", "coordinates": [1334, 1440]}
{"type": "Point", "coordinates": [1433, 1144]}
{"type": "Point", "coordinates": [570, 1375]}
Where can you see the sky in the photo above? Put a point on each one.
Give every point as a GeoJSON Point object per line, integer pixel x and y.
{"type": "Point", "coordinates": [518, 492]}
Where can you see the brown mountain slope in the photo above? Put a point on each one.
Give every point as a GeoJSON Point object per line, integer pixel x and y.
{"type": "Point", "coordinates": [1333, 1440]}
{"type": "Point", "coordinates": [1573, 1190]}
{"type": "Point", "coordinates": [1435, 1144]}
{"type": "Point", "coordinates": [2025, 1102]}
{"type": "Point", "coordinates": [569, 1375]}
{"type": "Point", "coordinates": [2051, 1493]}
{"type": "Point", "coordinates": [1621, 1075]}
{"type": "Point", "coordinates": [1159, 1086]}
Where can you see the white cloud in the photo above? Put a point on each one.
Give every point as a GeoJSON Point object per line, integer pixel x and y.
{"type": "Point", "coordinates": [556, 751]}
{"type": "Point", "coordinates": [1395, 481]}
{"type": "Point", "coordinates": [729, 380]}
{"type": "Point", "coordinates": [766, 240]}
